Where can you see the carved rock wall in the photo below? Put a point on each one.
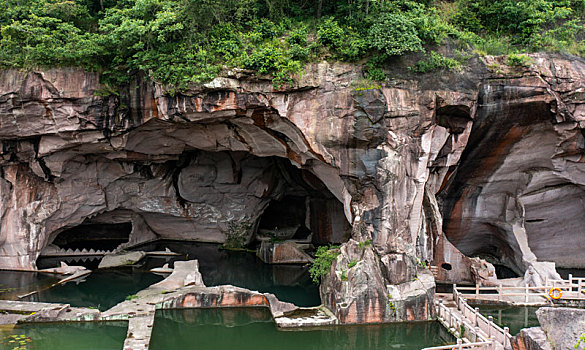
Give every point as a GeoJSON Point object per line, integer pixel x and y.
{"type": "Point", "coordinates": [501, 150]}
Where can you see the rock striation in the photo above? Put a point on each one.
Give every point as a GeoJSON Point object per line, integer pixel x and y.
{"type": "Point", "coordinates": [428, 169]}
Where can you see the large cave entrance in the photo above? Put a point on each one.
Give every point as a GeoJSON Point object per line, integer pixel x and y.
{"type": "Point", "coordinates": [96, 236]}
{"type": "Point", "coordinates": [206, 196]}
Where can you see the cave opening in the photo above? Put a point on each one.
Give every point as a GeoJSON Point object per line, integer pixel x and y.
{"type": "Point", "coordinates": [96, 236]}
{"type": "Point", "coordinates": [305, 212]}
{"type": "Point", "coordinates": [190, 204]}
{"type": "Point", "coordinates": [285, 219]}
{"type": "Point", "coordinates": [503, 272]}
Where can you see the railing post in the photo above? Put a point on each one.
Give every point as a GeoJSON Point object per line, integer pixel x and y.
{"type": "Point", "coordinates": [455, 292]}
{"type": "Point", "coordinates": [476, 310]}
{"type": "Point", "coordinates": [506, 332]}
{"type": "Point", "coordinates": [490, 323]}
{"type": "Point", "coordinates": [526, 293]}
{"type": "Point", "coordinates": [476, 288]}
{"type": "Point", "coordinates": [499, 291]}
{"type": "Point", "coordinates": [459, 344]}
{"type": "Point", "coordinates": [476, 334]}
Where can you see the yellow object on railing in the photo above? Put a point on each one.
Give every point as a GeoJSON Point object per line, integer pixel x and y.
{"type": "Point", "coordinates": [555, 293]}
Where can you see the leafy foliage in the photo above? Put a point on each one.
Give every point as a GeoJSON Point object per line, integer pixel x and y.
{"type": "Point", "coordinates": [435, 61]}
{"type": "Point", "coordinates": [181, 42]}
{"type": "Point", "coordinates": [237, 234]}
{"type": "Point", "coordinates": [324, 258]}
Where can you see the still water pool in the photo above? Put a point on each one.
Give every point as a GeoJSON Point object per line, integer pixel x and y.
{"type": "Point", "coordinates": [65, 336]}
{"type": "Point", "coordinates": [515, 318]}
{"type": "Point", "coordinates": [253, 329]}
{"type": "Point", "coordinates": [105, 288]}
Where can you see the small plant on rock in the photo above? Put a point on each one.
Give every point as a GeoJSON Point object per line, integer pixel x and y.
{"type": "Point", "coordinates": [364, 244]}
{"type": "Point", "coordinates": [132, 297]}
{"type": "Point", "coordinates": [391, 303]}
{"type": "Point", "coordinates": [352, 264]}
{"type": "Point", "coordinates": [343, 275]}
{"type": "Point", "coordinates": [518, 60]}
{"type": "Point", "coordinates": [323, 260]}
{"type": "Point", "coordinates": [581, 343]}
{"type": "Point", "coordinates": [237, 234]}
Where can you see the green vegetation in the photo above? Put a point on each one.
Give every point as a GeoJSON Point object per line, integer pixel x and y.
{"type": "Point", "coordinates": [132, 297]}
{"type": "Point", "coordinates": [581, 343]}
{"type": "Point", "coordinates": [324, 258]}
{"type": "Point", "coordinates": [17, 342]}
{"type": "Point", "coordinates": [343, 276]}
{"type": "Point", "coordinates": [518, 60]}
{"type": "Point", "coordinates": [181, 42]}
{"type": "Point", "coordinates": [237, 235]}
{"type": "Point", "coordinates": [435, 61]}
{"type": "Point", "coordinates": [352, 264]}
{"type": "Point", "coordinates": [364, 244]}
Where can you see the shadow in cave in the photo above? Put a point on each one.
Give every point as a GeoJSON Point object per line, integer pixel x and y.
{"type": "Point", "coordinates": [307, 212]}
{"type": "Point", "coordinates": [97, 236]}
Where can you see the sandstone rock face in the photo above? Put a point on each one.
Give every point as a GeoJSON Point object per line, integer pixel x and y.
{"type": "Point", "coordinates": [532, 338]}
{"type": "Point", "coordinates": [282, 253]}
{"type": "Point", "coordinates": [426, 168]}
{"type": "Point", "coordinates": [515, 195]}
{"type": "Point", "coordinates": [562, 326]}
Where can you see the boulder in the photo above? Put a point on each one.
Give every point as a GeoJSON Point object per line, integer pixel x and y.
{"type": "Point", "coordinates": [532, 338]}
{"type": "Point", "coordinates": [121, 259]}
{"type": "Point", "coordinates": [282, 253]}
{"type": "Point", "coordinates": [562, 326]}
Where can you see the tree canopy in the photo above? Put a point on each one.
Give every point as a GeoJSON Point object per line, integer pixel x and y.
{"type": "Point", "coordinates": [191, 41]}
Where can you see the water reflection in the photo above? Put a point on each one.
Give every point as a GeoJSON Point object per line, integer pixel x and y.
{"type": "Point", "coordinates": [515, 318]}
{"type": "Point", "coordinates": [70, 336]}
{"type": "Point", "coordinates": [252, 329]}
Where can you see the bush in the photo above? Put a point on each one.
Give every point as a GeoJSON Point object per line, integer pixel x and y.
{"type": "Point", "coordinates": [435, 61]}
{"type": "Point", "coordinates": [393, 34]}
{"type": "Point", "coordinates": [324, 258]}
{"type": "Point", "coordinates": [237, 234]}
{"type": "Point", "coordinates": [518, 60]}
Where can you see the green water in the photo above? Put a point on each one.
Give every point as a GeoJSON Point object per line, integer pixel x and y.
{"type": "Point", "coordinates": [253, 329]}
{"type": "Point", "coordinates": [101, 289]}
{"type": "Point", "coordinates": [289, 283]}
{"type": "Point", "coordinates": [15, 283]}
{"type": "Point", "coordinates": [70, 336]}
{"type": "Point", "coordinates": [105, 288]}
{"type": "Point", "coordinates": [515, 318]}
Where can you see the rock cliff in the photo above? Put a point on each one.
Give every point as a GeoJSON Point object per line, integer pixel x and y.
{"type": "Point", "coordinates": [487, 162]}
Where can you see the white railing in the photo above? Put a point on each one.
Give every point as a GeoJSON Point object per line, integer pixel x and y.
{"type": "Point", "coordinates": [488, 345]}
{"type": "Point", "coordinates": [478, 331]}
{"type": "Point", "coordinates": [480, 322]}
{"type": "Point", "coordinates": [573, 288]}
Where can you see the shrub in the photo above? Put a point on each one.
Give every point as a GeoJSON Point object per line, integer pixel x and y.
{"type": "Point", "coordinates": [518, 60]}
{"type": "Point", "coordinates": [330, 33]}
{"type": "Point", "coordinates": [237, 234]}
{"type": "Point", "coordinates": [364, 244]}
{"type": "Point", "coordinates": [435, 61]}
{"type": "Point", "coordinates": [324, 258]}
{"type": "Point", "coordinates": [394, 34]}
